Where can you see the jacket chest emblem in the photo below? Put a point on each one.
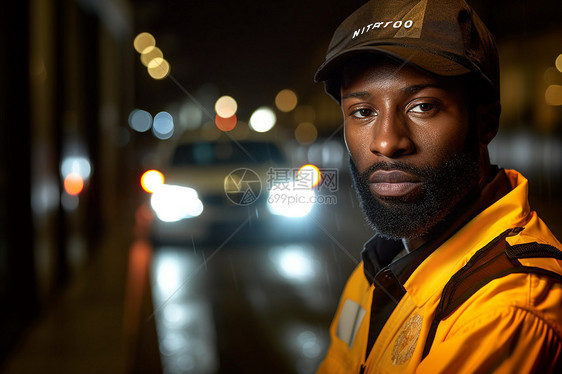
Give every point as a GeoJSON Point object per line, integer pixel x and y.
{"type": "Point", "coordinates": [407, 338]}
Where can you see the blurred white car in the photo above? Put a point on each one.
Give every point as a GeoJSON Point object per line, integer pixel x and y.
{"type": "Point", "coordinates": [229, 190]}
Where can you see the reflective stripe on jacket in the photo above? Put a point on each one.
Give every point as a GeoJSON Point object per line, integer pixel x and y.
{"type": "Point", "coordinates": [511, 325]}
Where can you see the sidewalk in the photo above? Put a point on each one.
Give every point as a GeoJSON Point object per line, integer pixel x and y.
{"type": "Point", "coordinates": [83, 331]}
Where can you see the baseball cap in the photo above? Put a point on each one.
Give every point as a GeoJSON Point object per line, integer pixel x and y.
{"type": "Point", "coordinates": [443, 37]}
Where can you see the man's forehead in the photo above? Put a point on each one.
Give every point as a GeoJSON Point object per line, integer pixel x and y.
{"type": "Point", "coordinates": [372, 70]}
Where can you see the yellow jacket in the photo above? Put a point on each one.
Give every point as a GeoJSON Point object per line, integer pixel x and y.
{"type": "Point", "coordinates": [513, 324]}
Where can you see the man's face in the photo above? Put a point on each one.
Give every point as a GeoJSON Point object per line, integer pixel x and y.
{"type": "Point", "coordinates": [414, 154]}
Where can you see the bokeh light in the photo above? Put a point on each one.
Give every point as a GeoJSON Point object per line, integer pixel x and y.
{"type": "Point", "coordinates": [140, 120]}
{"type": "Point", "coordinates": [552, 75]}
{"type": "Point", "coordinates": [295, 262]}
{"type": "Point", "coordinates": [73, 184]}
{"type": "Point", "coordinates": [150, 54]}
{"type": "Point", "coordinates": [143, 41]}
{"type": "Point", "coordinates": [69, 202]}
{"type": "Point", "coordinates": [290, 199]}
{"type": "Point", "coordinates": [169, 275]}
{"type": "Point", "coordinates": [158, 68]}
{"type": "Point", "coordinates": [151, 180]}
{"type": "Point", "coordinates": [190, 116]}
{"type": "Point", "coordinates": [226, 124]}
{"type": "Point", "coordinates": [310, 173]}
{"type": "Point", "coordinates": [558, 63]}
{"type": "Point", "coordinates": [332, 154]}
{"type": "Point", "coordinates": [286, 100]}
{"type": "Point", "coordinates": [76, 165]}
{"type": "Point", "coordinates": [226, 106]}
{"type": "Point", "coordinates": [262, 120]}
{"type": "Point", "coordinates": [172, 203]}
{"type": "Point", "coordinates": [553, 95]}
{"type": "Point", "coordinates": [306, 133]}
{"type": "Point", "coordinates": [45, 195]}
{"type": "Point", "coordinates": [163, 125]}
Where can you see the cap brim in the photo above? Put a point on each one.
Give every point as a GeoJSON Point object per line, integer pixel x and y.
{"type": "Point", "coordinates": [425, 60]}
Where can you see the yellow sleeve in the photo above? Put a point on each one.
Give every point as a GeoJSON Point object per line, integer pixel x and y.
{"type": "Point", "coordinates": [510, 339]}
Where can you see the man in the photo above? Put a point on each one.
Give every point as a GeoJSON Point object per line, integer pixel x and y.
{"type": "Point", "coordinates": [461, 276]}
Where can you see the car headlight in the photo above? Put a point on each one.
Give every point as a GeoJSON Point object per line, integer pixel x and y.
{"type": "Point", "coordinates": [173, 203]}
{"type": "Point", "coordinates": [290, 200]}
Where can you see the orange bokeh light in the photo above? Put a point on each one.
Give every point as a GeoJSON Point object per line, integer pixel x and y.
{"type": "Point", "coordinates": [151, 180]}
{"type": "Point", "coordinates": [226, 124]}
{"type": "Point", "coordinates": [312, 170]}
{"type": "Point", "coordinates": [73, 184]}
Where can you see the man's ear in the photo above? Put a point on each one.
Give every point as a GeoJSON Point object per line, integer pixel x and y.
{"type": "Point", "coordinates": [488, 117]}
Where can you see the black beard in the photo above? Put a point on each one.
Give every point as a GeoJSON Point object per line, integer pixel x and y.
{"type": "Point", "coordinates": [444, 187]}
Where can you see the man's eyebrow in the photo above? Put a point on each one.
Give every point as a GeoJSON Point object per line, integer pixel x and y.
{"type": "Point", "coordinates": [409, 90]}
{"type": "Point", "coordinates": [418, 87]}
{"type": "Point", "coordinates": [358, 95]}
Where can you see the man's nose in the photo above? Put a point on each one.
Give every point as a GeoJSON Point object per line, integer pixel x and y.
{"type": "Point", "coordinates": [391, 136]}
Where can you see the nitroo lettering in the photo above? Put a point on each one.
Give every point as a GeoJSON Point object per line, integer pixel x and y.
{"type": "Point", "coordinates": [383, 25]}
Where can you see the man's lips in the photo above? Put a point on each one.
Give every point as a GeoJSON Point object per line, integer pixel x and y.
{"type": "Point", "coordinates": [393, 183]}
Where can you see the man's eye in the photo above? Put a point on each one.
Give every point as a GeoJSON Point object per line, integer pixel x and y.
{"type": "Point", "coordinates": [421, 108]}
{"type": "Point", "coordinates": [362, 113]}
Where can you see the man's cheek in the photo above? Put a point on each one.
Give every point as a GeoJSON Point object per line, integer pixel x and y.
{"type": "Point", "coordinates": [360, 164]}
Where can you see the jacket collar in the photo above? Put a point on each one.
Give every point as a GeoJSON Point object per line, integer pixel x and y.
{"type": "Point", "coordinates": [507, 210]}
{"type": "Point", "coordinates": [380, 253]}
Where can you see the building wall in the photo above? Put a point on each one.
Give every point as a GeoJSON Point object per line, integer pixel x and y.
{"type": "Point", "coordinates": [65, 91]}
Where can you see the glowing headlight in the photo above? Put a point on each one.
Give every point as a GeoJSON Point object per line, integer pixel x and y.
{"type": "Point", "coordinates": [287, 199]}
{"type": "Point", "coordinates": [173, 203]}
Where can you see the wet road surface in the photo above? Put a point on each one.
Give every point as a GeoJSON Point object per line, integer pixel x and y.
{"type": "Point", "coordinates": [253, 308]}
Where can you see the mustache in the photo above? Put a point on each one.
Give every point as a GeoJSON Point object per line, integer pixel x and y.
{"type": "Point", "coordinates": [387, 166]}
